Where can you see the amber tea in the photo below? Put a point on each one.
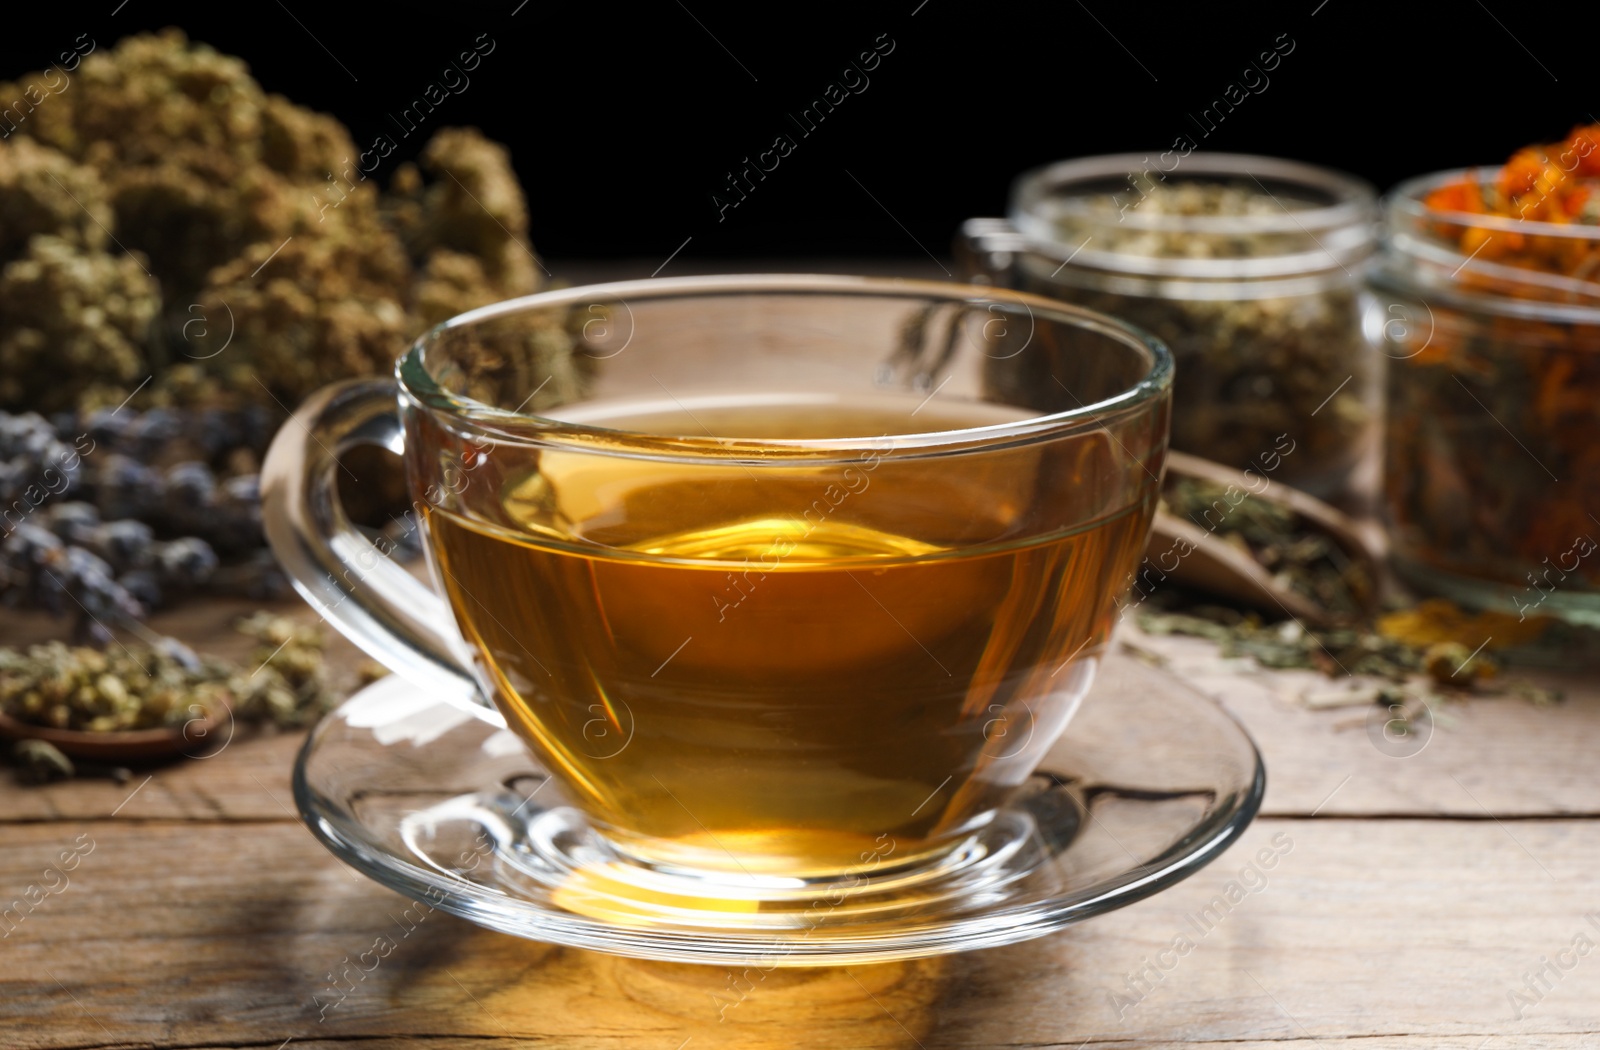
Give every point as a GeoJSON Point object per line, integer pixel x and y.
{"type": "Point", "coordinates": [796, 669]}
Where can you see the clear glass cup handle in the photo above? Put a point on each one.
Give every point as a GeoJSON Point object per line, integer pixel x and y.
{"type": "Point", "coordinates": [392, 616]}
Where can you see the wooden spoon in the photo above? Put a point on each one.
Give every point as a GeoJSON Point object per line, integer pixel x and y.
{"type": "Point", "coordinates": [1223, 569]}
{"type": "Point", "coordinates": [117, 745]}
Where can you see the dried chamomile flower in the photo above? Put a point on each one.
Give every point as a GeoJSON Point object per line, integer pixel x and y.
{"type": "Point", "coordinates": [369, 671]}
{"type": "Point", "coordinates": [137, 686]}
{"type": "Point", "coordinates": [288, 687]}
{"type": "Point", "coordinates": [132, 687]}
{"type": "Point", "coordinates": [274, 631]}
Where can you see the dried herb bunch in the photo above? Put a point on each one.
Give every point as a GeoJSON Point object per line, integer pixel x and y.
{"type": "Point", "coordinates": [239, 220]}
{"type": "Point", "coordinates": [107, 516]}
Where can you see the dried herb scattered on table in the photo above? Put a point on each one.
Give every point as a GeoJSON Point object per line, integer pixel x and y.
{"type": "Point", "coordinates": [1288, 644]}
{"type": "Point", "coordinates": [39, 762]}
{"type": "Point", "coordinates": [1437, 621]}
{"type": "Point", "coordinates": [1433, 638]}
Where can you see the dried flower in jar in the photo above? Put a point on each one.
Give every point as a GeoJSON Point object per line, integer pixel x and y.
{"type": "Point", "coordinates": [1550, 183]}
{"type": "Point", "coordinates": [1492, 472]}
{"type": "Point", "coordinates": [1260, 363]}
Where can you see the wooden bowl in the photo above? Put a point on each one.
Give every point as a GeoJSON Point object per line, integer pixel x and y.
{"type": "Point", "coordinates": [118, 745]}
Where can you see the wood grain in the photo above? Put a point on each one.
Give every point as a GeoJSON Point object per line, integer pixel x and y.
{"type": "Point", "coordinates": [1498, 756]}
{"type": "Point", "coordinates": [184, 934]}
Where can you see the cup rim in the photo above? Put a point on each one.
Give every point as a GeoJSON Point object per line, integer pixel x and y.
{"type": "Point", "coordinates": [418, 385]}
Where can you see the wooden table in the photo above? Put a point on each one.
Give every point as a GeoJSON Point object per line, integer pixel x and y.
{"type": "Point", "coordinates": [1417, 893]}
{"type": "Point", "coordinates": [1418, 898]}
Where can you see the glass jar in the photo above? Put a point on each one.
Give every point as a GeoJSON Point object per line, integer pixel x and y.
{"type": "Point", "coordinates": [1260, 300]}
{"type": "Point", "coordinates": [1492, 442]}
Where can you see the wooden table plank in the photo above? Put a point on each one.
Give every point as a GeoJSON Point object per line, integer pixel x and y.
{"type": "Point", "coordinates": [1499, 755]}
{"type": "Point", "coordinates": [182, 933]}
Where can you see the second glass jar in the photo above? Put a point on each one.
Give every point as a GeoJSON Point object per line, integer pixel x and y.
{"type": "Point", "coordinates": [1249, 268]}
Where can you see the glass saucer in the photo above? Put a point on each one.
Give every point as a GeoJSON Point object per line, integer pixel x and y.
{"type": "Point", "coordinates": [1150, 782]}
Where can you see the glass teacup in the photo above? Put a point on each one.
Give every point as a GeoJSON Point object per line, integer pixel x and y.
{"type": "Point", "coordinates": [784, 579]}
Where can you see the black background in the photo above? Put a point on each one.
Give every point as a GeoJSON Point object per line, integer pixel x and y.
{"type": "Point", "coordinates": [624, 120]}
